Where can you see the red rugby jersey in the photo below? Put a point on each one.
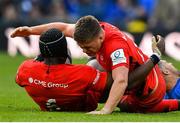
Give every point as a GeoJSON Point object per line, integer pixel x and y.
{"type": "Point", "coordinates": [75, 87]}
{"type": "Point", "coordinates": [119, 50]}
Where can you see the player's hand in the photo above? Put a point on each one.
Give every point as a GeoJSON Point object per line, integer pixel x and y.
{"type": "Point", "coordinates": [158, 45]}
{"type": "Point", "coordinates": [101, 112]}
{"type": "Point", "coordinates": [51, 105]}
{"type": "Point", "coordinates": [21, 32]}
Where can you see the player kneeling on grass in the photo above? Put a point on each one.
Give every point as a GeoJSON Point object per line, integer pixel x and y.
{"type": "Point", "coordinates": [54, 85]}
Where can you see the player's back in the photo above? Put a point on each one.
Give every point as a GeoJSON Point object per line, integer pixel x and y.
{"type": "Point", "coordinates": [68, 84]}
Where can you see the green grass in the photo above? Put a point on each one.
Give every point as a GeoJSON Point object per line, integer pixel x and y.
{"type": "Point", "coordinates": [16, 105]}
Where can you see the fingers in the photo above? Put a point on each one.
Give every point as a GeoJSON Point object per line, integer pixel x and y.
{"type": "Point", "coordinates": [13, 33]}
{"type": "Point", "coordinates": [19, 31]}
{"type": "Point", "coordinates": [154, 42]}
{"type": "Point", "coordinates": [154, 45]}
{"type": "Point", "coordinates": [51, 105]}
{"type": "Point", "coordinates": [51, 101]}
{"type": "Point", "coordinates": [158, 38]}
{"type": "Point", "coordinates": [153, 38]}
{"type": "Point", "coordinates": [103, 111]}
{"type": "Point", "coordinates": [95, 112]}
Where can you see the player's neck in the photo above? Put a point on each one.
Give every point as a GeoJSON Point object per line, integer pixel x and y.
{"type": "Point", "coordinates": [54, 61]}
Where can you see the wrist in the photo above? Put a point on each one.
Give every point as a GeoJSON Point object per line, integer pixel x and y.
{"type": "Point", "coordinates": [106, 111]}
{"type": "Point", "coordinates": [31, 30]}
{"type": "Point", "coordinates": [155, 58]}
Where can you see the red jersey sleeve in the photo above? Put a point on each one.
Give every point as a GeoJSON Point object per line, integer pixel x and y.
{"type": "Point", "coordinates": [118, 52]}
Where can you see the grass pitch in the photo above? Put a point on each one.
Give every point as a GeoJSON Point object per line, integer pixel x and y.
{"type": "Point", "coordinates": [16, 105]}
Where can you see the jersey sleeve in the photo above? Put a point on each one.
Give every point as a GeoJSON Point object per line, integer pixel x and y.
{"type": "Point", "coordinates": [20, 75]}
{"type": "Point", "coordinates": [118, 52]}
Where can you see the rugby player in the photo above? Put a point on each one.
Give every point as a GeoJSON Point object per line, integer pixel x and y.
{"type": "Point", "coordinates": [118, 55]}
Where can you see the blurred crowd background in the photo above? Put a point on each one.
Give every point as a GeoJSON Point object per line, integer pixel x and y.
{"type": "Point", "coordinates": [134, 16]}
{"type": "Point", "coordinates": [122, 13]}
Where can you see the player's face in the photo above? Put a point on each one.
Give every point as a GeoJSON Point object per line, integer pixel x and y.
{"type": "Point", "coordinates": [93, 46]}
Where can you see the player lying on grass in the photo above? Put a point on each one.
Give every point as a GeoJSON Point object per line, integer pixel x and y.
{"type": "Point", "coordinates": [54, 85]}
{"type": "Point", "coordinates": [172, 78]}
{"type": "Point", "coordinates": [118, 55]}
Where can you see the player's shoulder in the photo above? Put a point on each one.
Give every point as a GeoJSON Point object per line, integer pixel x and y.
{"type": "Point", "coordinates": [29, 64]}
{"type": "Point", "coordinates": [107, 26]}
{"type": "Point", "coordinates": [104, 23]}
{"type": "Point", "coordinates": [111, 31]}
{"type": "Point", "coordinates": [83, 68]}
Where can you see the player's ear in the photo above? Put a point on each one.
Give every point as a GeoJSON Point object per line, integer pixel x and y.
{"type": "Point", "coordinates": [102, 35]}
{"type": "Point", "coordinates": [165, 71]}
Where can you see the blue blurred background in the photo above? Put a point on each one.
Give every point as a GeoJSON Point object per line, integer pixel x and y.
{"type": "Point", "coordinates": [136, 17]}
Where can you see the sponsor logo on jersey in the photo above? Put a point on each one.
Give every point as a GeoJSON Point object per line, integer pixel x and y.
{"type": "Point", "coordinates": [47, 84]}
{"type": "Point", "coordinates": [118, 57]}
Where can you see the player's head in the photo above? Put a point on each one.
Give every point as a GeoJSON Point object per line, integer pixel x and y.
{"type": "Point", "coordinates": [170, 74]}
{"type": "Point", "coordinates": [89, 34]}
{"type": "Point", "coordinates": [53, 44]}
{"type": "Point", "coordinates": [168, 69]}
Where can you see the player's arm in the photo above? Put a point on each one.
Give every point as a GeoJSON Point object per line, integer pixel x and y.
{"type": "Point", "coordinates": [67, 29]}
{"type": "Point", "coordinates": [120, 77]}
{"type": "Point", "coordinates": [138, 76]}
